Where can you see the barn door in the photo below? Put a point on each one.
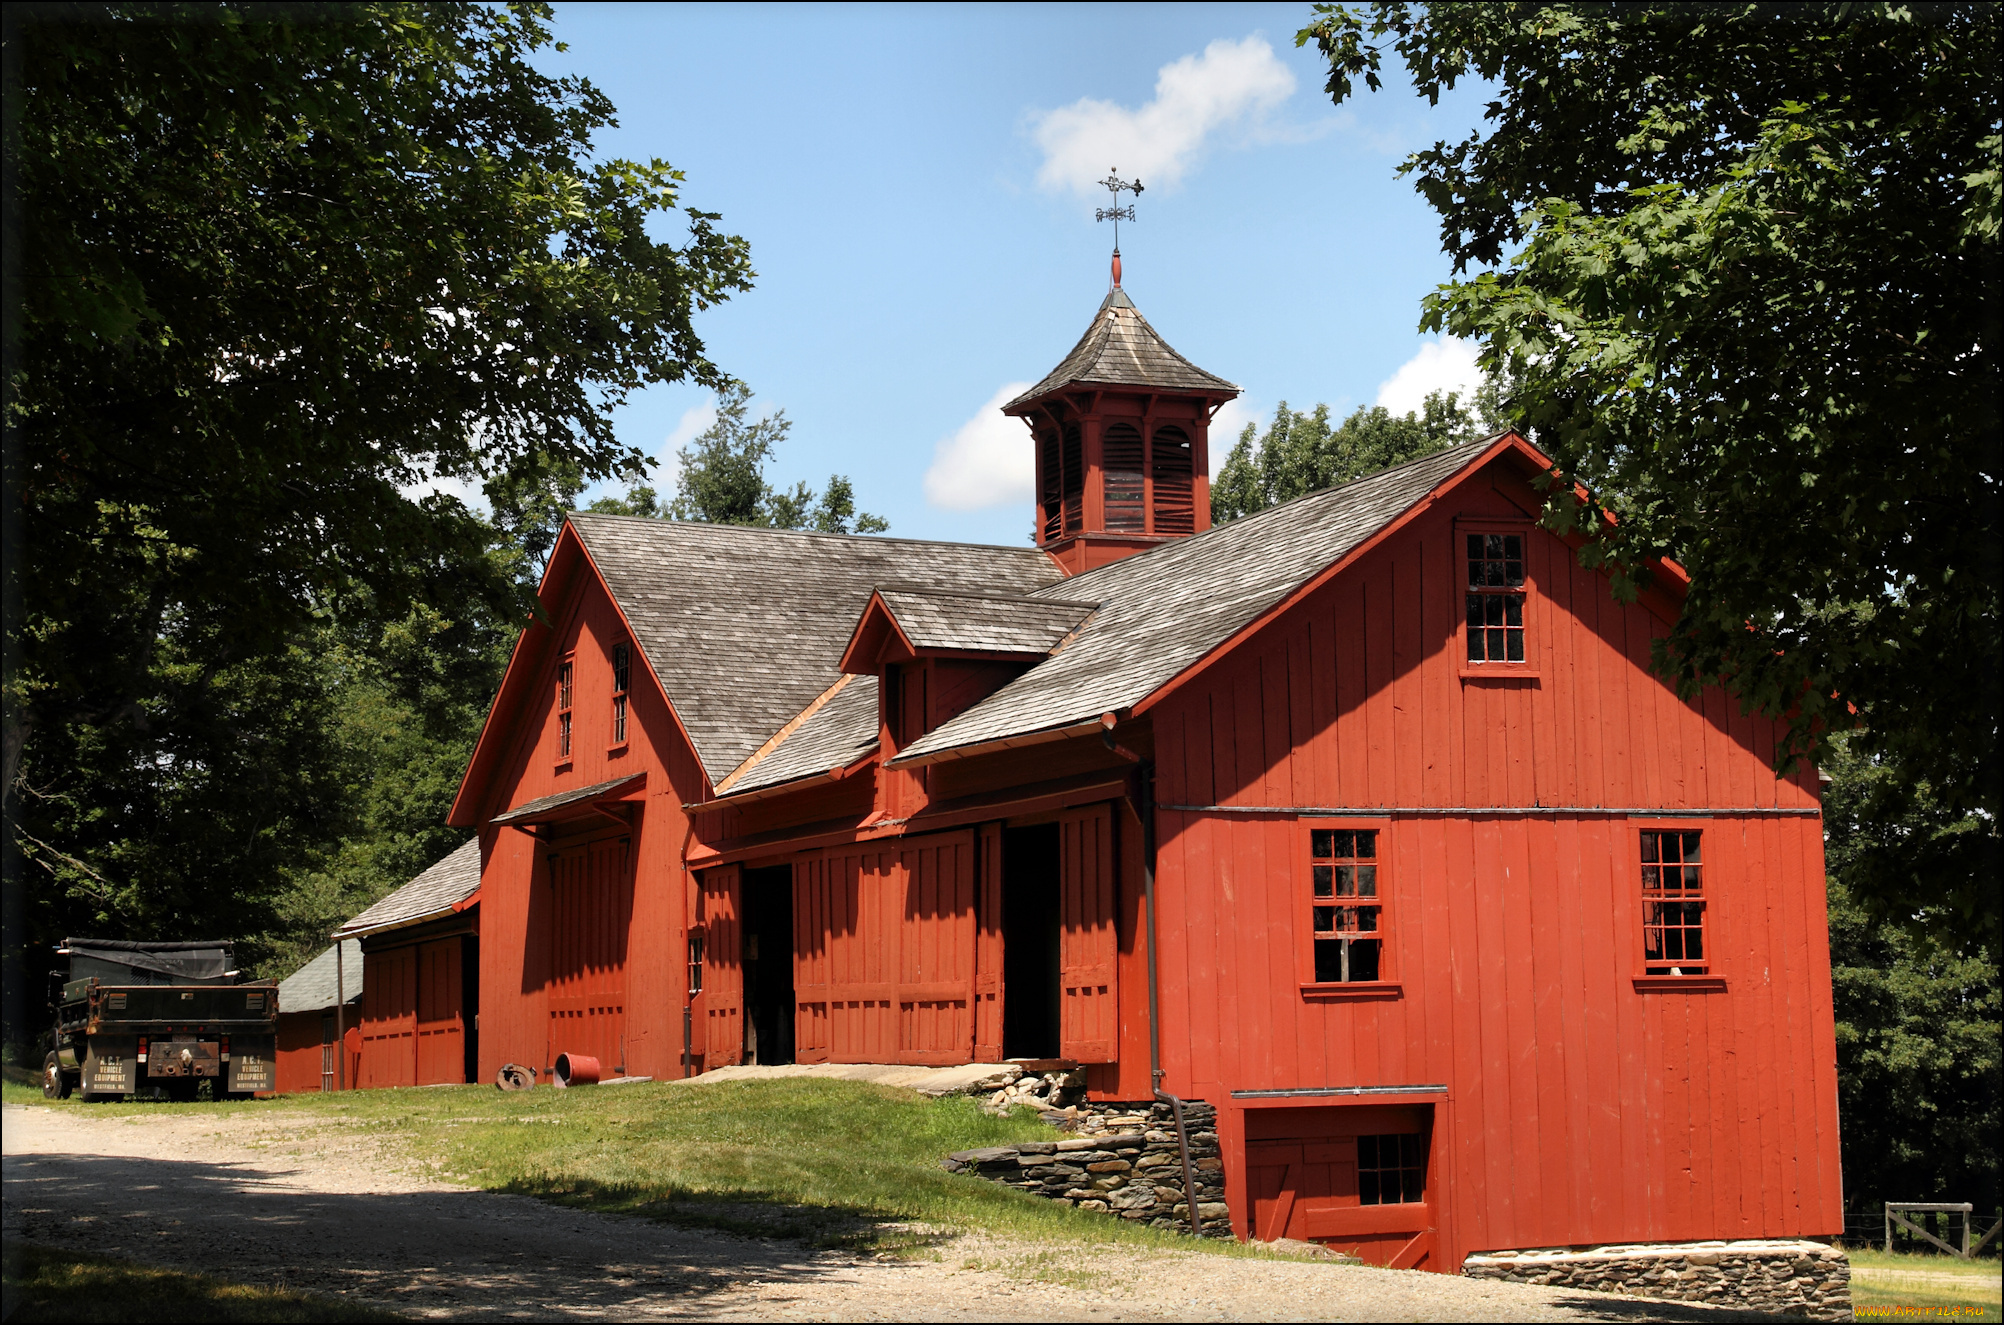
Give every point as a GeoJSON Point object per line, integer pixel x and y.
{"type": "Point", "coordinates": [441, 1029]}
{"type": "Point", "coordinates": [1088, 948]}
{"type": "Point", "coordinates": [723, 1036]}
{"type": "Point", "coordinates": [1354, 1179]}
{"type": "Point", "coordinates": [988, 946]}
{"type": "Point", "coordinates": [812, 934]}
{"type": "Point", "coordinates": [389, 1018]}
{"type": "Point", "coordinates": [591, 914]}
{"type": "Point", "coordinates": [936, 945]}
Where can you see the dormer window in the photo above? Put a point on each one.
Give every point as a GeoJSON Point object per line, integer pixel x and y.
{"type": "Point", "coordinates": [564, 710]}
{"type": "Point", "coordinates": [621, 668]}
{"type": "Point", "coordinates": [1495, 604]}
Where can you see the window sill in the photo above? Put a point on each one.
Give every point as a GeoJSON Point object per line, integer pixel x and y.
{"type": "Point", "coordinates": [563, 766]}
{"type": "Point", "coordinates": [1689, 984]}
{"type": "Point", "coordinates": [615, 751]}
{"type": "Point", "coordinates": [1355, 989]}
{"type": "Point", "coordinates": [1492, 672]}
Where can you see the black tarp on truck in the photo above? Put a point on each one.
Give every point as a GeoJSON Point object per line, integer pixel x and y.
{"type": "Point", "coordinates": [158, 1019]}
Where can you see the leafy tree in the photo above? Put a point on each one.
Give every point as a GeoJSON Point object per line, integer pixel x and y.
{"type": "Point", "coordinates": [1917, 1015]}
{"type": "Point", "coordinates": [274, 272]}
{"type": "Point", "coordinates": [722, 480]}
{"type": "Point", "coordinates": [1301, 453]}
{"type": "Point", "coordinates": [1756, 314]}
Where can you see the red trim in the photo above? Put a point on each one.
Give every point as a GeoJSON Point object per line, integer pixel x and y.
{"type": "Point", "coordinates": [852, 655]}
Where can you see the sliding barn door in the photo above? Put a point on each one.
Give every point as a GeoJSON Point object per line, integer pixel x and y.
{"type": "Point", "coordinates": [441, 1025]}
{"type": "Point", "coordinates": [591, 916]}
{"type": "Point", "coordinates": [988, 991]}
{"type": "Point", "coordinates": [1088, 946]}
{"type": "Point", "coordinates": [723, 1036]}
{"type": "Point", "coordinates": [936, 950]}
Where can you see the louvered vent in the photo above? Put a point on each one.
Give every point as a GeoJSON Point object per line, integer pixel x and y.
{"type": "Point", "coordinates": [1175, 492]}
{"type": "Point", "coordinates": [1052, 497]}
{"type": "Point", "coordinates": [1074, 472]}
{"type": "Point", "coordinates": [1120, 448]}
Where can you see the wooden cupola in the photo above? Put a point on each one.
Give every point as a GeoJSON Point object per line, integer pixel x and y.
{"type": "Point", "coordinates": [1122, 431]}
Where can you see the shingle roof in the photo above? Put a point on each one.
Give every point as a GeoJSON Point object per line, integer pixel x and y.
{"type": "Point", "coordinates": [312, 987]}
{"type": "Point", "coordinates": [744, 626]}
{"type": "Point", "coordinates": [528, 810]}
{"type": "Point", "coordinates": [1121, 349]}
{"type": "Point", "coordinates": [1162, 611]}
{"type": "Point", "coordinates": [837, 734]}
{"type": "Point", "coordinates": [990, 623]}
{"type": "Point", "coordinates": [434, 892]}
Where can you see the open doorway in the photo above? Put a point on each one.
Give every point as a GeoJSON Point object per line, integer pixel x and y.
{"type": "Point", "coordinates": [768, 956]}
{"type": "Point", "coordinates": [1030, 921]}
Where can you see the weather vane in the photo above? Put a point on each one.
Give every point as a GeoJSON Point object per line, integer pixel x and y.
{"type": "Point", "coordinates": [1116, 213]}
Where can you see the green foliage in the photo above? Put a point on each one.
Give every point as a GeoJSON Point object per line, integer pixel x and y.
{"type": "Point", "coordinates": [284, 272]}
{"type": "Point", "coordinates": [1301, 453]}
{"type": "Point", "coordinates": [1757, 316]}
{"type": "Point", "coordinates": [1917, 1014]}
{"type": "Point", "coordinates": [721, 480]}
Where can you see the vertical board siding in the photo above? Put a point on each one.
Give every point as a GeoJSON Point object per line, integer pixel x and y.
{"type": "Point", "coordinates": [1578, 1108]}
{"type": "Point", "coordinates": [593, 889]}
{"type": "Point", "coordinates": [441, 1025]}
{"type": "Point", "coordinates": [988, 990]}
{"type": "Point", "coordinates": [389, 1018]}
{"type": "Point", "coordinates": [1088, 945]}
{"type": "Point", "coordinates": [723, 967]}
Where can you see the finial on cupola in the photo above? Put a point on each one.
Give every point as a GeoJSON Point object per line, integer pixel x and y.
{"type": "Point", "coordinates": [1116, 213]}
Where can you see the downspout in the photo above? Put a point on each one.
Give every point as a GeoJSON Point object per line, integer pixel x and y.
{"type": "Point", "coordinates": [1143, 800]}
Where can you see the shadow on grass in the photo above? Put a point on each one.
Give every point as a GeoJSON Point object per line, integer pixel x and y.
{"type": "Point", "coordinates": [824, 1227]}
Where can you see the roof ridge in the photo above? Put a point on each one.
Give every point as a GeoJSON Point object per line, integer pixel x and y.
{"type": "Point", "coordinates": [875, 540]}
{"type": "Point", "coordinates": [931, 592]}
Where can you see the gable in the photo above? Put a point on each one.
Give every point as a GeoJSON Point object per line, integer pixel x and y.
{"type": "Point", "coordinates": [1359, 694]}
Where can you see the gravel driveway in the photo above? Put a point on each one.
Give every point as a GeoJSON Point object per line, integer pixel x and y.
{"type": "Point", "coordinates": [289, 1199]}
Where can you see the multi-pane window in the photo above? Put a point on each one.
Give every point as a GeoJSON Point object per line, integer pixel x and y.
{"type": "Point", "coordinates": [695, 961]}
{"type": "Point", "coordinates": [621, 666]}
{"type": "Point", "coordinates": [1349, 938]}
{"type": "Point", "coordinates": [1495, 598]}
{"type": "Point", "coordinates": [1673, 904]}
{"type": "Point", "coordinates": [564, 709]}
{"type": "Point", "coordinates": [1391, 1169]}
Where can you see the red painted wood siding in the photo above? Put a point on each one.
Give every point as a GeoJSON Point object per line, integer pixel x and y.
{"type": "Point", "coordinates": [300, 1052]}
{"type": "Point", "coordinates": [389, 1018]}
{"type": "Point", "coordinates": [589, 942]}
{"type": "Point", "coordinates": [723, 1001]}
{"type": "Point", "coordinates": [1088, 948]}
{"type": "Point", "coordinates": [441, 1024]}
{"type": "Point", "coordinates": [1577, 1108]}
{"type": "Point", "coordinates": [517, 902]}
{"type": "Point", "coordinates": [988, 990]}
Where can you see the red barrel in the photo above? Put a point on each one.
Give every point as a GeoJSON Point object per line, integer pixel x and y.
{"type": "Point", "coordinates": [576, 1070]}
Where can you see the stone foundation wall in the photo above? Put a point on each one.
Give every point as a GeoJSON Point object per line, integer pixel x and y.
{"type": "Point", "coordinates": [1118, 1159]}
{"type": "Point", "coordinates": [1789, 1277]}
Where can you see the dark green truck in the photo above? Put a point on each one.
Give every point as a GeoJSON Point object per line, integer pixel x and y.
{"type": "Point", "coordinates": [157, 1020]}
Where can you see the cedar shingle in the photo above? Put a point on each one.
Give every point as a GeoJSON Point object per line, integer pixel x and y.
{"type": "Point", "coordinates": [1121, 349]}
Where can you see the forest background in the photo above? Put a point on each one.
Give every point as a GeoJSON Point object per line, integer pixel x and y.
{"type": "Point", "coordinates": [249, 651]}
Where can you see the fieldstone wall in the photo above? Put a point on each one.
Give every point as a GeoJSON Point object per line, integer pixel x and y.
{"type": "Point", "coordinates": [1120, 1160]}
{"type": "Point", "coordinates": [1788, 1277]}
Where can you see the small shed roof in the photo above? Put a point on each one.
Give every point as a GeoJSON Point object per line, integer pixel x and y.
{"type": "Point", "coordinates": [436, 892]}
{"type": "Point", "coordinates": [983, 623]}
{"type": "Point", "coordinates": [1121, 349]}
{"type": "Point", "coordinates": [835, 735]}
{"type": "Point", "coordinates": [530, 811]}
{"type": "Point", "coordinates": [312, 987]}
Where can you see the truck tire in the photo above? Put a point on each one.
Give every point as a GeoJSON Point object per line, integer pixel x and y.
{"type": "Point", "coordinates": [55, 1081]}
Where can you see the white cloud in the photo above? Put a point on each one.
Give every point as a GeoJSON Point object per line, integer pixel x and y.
{"type": "Point", "coordinates": [1226, 426]}
{"type": "Point", "coordinates": [1443, 364]}
{"type": "Point", "coordinates": [988, 462]}
{"type": "Point", "coordinates": [1233, 84]}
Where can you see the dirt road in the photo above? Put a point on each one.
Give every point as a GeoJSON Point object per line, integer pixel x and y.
{"type": "Point", "coordinates": [287, 1199]}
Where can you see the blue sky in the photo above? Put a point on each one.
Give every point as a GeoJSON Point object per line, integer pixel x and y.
{"type": "Point", "coordinates": [914, 184]}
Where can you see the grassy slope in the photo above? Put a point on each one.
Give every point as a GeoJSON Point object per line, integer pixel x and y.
{"type": "Point", "coordinates": [1904, 1285]}
{"type": "Point", "coordinates": [833, 1162]}
{"type": "Point", "coordinates": [42, 1284]}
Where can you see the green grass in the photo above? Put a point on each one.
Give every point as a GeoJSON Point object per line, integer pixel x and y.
{"type": "Point", "coordinates": [835, 1163]}
{"type": "Point", "coordinates": [1909, 1286]}
{"type": "Point", "coordinates": [42, 1284]}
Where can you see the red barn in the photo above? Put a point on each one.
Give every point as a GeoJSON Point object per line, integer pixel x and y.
{"type": "Point", "coordinates": [1366, 809]}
